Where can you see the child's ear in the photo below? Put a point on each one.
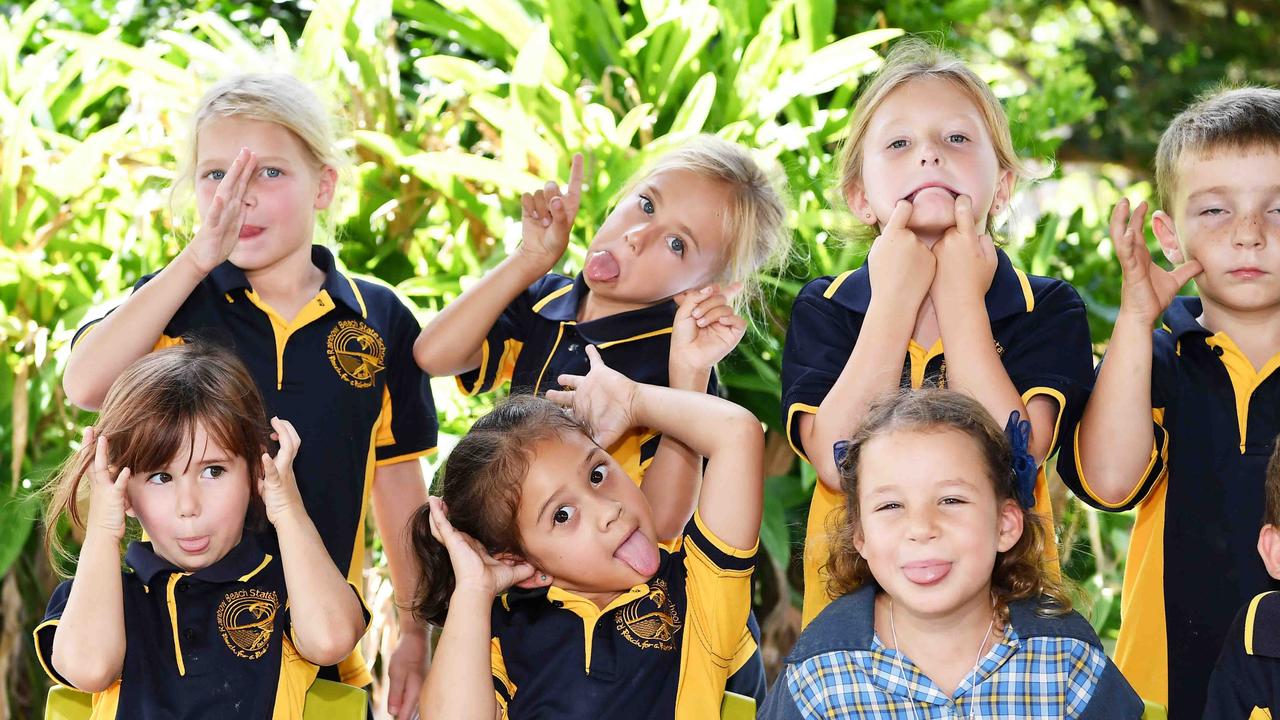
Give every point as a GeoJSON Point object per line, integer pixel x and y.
{"type": "Point", "coordinates": [1010, 525]}
{"type": "Point", "coordinates": [328, 183]}
{"type": "Point", "coordinates": [1167, 235]}
{"type": "Point", "coordinates": [1004, 191]}
{"type": "Point", "coordinates": [1269, 549]}
{"type": "Point", "coordinates": [856, 196]}
{"type": "Point", "coordinates": [538, 579]}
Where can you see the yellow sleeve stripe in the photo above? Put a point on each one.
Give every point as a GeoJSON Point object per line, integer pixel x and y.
{"type": "Point", "coordinates": [1062, 406]}
{"type": "Point", "coordinates": [1249, 618]}
{"type": "Point", "coordinates": [1027, 295]}
{"type": "Point", "coordinates": [407, 457]}
{"type": "Point", "coordinates": [721, 545]}
{"type": "Point", "coordinates": [484, 367]}
{"type": "Point", "coordinates": [835, 284]}
{"type": "Point", "coordinates": [364, 312]}
{"type": "Point", "coordinates": [555, 294]}
{"type": "Point", "coordinates": [791, 418]}
{"type": "Point", "coordinates": [46, 663]}
{"type": "Point", "coordinates": [265, 562]}
{"type": "Point", "coordinates": [1162, 452]}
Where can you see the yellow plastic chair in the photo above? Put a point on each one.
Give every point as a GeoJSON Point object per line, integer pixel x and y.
{"type": "Point", "coordinates": [326, 700]}
{"type": "Point", "coordinates": [737, 707]}
{"type": "Point", "coordinates": [1154, 711]}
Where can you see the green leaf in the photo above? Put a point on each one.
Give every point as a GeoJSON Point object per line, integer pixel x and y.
{"type": "Point", "coordinates": [697, 106]}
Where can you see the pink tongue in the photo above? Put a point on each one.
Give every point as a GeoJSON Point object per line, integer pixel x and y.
{"type": "Point", "coordinates": [601, 267]}
{"type": "Point", "coordinates": [926, 574]}
{"type": "Point", "coordinates": [638, 552]}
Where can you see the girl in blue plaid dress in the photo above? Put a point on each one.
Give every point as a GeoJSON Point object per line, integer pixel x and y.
{"type": "Point", "coordinates": [944, 608]}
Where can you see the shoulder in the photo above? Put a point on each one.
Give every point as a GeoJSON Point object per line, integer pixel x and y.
{"type": "Point", "coordinates": [845, 624]}
{"type": "Point", "coordinates": [1051, 294]}
{"type": "Point", "coordinates": [1257, 626]}
{"type": "Point", "coordinates": [1029, 621]}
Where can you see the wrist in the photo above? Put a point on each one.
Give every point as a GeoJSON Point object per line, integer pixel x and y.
{"type": "Point", "coordinates": [682, 376]}
{"type": "Point", "coordinates": [188, 266]}
{"type": "Point", "coordinates": [532, 263]}
{"type": "Point", "coordinates": [473, 594]}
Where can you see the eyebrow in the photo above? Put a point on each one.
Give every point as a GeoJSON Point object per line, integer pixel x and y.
{"type": "Point", "coordinates": [682, 228]}
{"type": "Point", "coordinates": [1227, 189]}
{"type": "Point", "coordinates": [583, 468]}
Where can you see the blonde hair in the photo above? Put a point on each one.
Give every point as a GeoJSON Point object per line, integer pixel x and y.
{"type": "Point", "coordinates": [1236, 118]}
{"type": "Point", "coordinates": [275, 97]}
{"type": "Point", "coordinates": [1019, 572]}
{"type": "Point", "coordinates": [754, 221]}
{"type": "Point", "coordinates": [913, 59]}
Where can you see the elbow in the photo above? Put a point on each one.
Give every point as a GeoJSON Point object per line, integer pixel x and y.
{"type": "Point", "coordinates": [332, 645]}
{"type": "Point", "coordinates": [89, 676]}
{"type": "Point", "coordinates": [79, 390]}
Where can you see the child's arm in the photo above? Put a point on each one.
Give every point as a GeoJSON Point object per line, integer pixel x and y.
{"type": "Point", "coordinates": [705, 330]}
{"type": "Point", "coordinates": [729, 437]}
{"type": "Point", "coordinates": [460, 681]}
{"type": "Point", "coordinates": [325, 611]}
{"type": "Point", "coordinates": [966, 265]}
{"type": "Point", "coordinates": [89, 643]}
{"type": "Point", "coordinates": [131, 331]}
{"type": "Point", "coordinates": [902, 269]}
{"type": "Point", "coordinates": [451, 343]}
{"type": "Point", "coordinates": [1115, 433]}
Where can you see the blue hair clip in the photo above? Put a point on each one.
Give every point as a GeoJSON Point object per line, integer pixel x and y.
{"type": "Point", "coordinates": [841, 451]}
{"type": "Point", "coordinates": [1024, 466]}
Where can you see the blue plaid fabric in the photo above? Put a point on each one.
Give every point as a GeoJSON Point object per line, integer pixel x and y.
{"type": "Point", "coordinates": [1043, 677]}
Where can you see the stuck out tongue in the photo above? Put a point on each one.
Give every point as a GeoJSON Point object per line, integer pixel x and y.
{"type": "Point", "coordinates": [601, 267]}
{"type": "Point", "coordinates": [927, 574]}
{"type": "Point", "coordinates": [640, 553]}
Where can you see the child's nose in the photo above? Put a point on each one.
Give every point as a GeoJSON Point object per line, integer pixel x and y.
{"type": "Point", "coordinates": [929, 154]}
{"type": "Point", "coordinates": [188, 500]}
{"type": "Point", "coordinates": [922, 525]}
{"type": "Point", "coordinates": [1248, 232]}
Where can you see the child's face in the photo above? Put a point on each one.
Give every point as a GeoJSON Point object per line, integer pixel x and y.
{"type": "Point", "coordinates": [1226, 214]}
{"type": "Point", "coordinates": [286, 190]}
{"type": "Point", "coordinates": [930, 522]}
{"type": "Point", "coordinates": [583, 522]}
{"type": "Point", "coordinates": [193, 509]}
{"type": "Point", "coordinates": [928, 143]}
{"type": "Point", "coordinates": [665, 237]}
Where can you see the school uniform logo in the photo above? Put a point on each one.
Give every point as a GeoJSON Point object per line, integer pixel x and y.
{"type": "Point", "coordinates": [356, 353]}
{"type": "Point", "coordinates": [245, 621]}
{"type": "Point", "coordinates": [652, 621]}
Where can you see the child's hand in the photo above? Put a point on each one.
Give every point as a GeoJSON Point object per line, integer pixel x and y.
{"type": "Point", "coordinates": [278, 488]}
{"type": "Point", "coordinates": [1147, 288]}
{"type": "Point", "coordinates": [901, 267]}
{"type": "Point", "coordinates": [220, 231]}
{"type": "Point", "coordinates": [966, 259]}
{"type": "Point", "coordinates": [602, 398]}
{"type": "Point", "coordinates": [706, 328]}
{"type": "Point", "coordinates": [473, 566]}
{"type": "Point", "coordinates": [108, 499]}
{"type": "Point", "coordinates": [547, 216]}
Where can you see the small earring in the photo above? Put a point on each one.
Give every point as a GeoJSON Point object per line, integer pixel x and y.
{"type": "Point", "coordinates": [867, 216]}
{"type": "Point", "coordinates": [544, 578]}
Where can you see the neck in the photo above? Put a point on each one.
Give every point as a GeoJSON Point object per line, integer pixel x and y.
{"type": "Point", "coordinates": [944, 646]}
{"type": "Point", "coordinates": [1255, 332]}
{"type": "Point", "coordinates": [594, 307]}
{"type": "Point", "coordinates": [293, 277]}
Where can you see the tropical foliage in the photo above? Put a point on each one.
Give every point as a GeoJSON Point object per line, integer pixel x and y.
{"type": "Point", "coordinates": [453, 108]}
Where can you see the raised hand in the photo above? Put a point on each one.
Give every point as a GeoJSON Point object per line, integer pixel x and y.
{"type": "Point", "coordinates": [966, 259]}
{"type": "Point", "coordinates": [108, 499]}
{"type": "Point", "coordinates": [220, 229]}
{"type": "Point", "coordinates": [473, 566]}
{"type": "Point", "coordinates": [602, 398]}
{"type": "Point", "coordinates": [706, 328]}
{"type": "Point", "coordinates": [901, 266]}
{"type": "Point", "coordinates": [278, 488]}
{"type": "Point", "coordinates": [547, 216]}
{"type": "Point", "coordinates": [1147, 288]}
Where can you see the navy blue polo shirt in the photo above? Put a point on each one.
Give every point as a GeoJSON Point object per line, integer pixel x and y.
{"type": "Point", "coordinates": [663, 649]}
{"type": "Point", "coordinates": [1246, 681]}
{"type": "Point", "coordinates": [216, 642]}
{"type": "Point", "coordinates": [1041, 334]}
{"type": "Point", "coordinates": [538, 337]}
{"type": "Point", "coordinates": [342, 372]}
{"type": "Point", "coordinates": [1215, 419]}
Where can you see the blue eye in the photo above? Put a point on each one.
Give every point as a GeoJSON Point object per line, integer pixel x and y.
{"type": "Point", "coordinates": [272, 172]}
{"type": "Point", "coordinates": [957, 138]}
{"type": "Point", "coordinates": [646, 205]}
{"type": "Point", "coordinates": [898, 144]}
{"type": "Point", "coordinates": [676, 245]}
{"type": "Point", "coordinates": [216, 175]}
{"type": "Point", "coordinates": [1212, 211]}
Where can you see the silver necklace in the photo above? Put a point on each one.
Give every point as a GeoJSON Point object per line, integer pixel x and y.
{"type": "Point", "coordinates": [893, 631]}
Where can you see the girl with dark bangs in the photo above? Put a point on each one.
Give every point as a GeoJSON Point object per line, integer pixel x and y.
{"type": "Point", "coordinates": [203, 621]}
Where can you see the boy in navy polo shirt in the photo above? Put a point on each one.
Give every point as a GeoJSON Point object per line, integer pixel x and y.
{"type": "Point", "coordinates": [1207, 379]}
{"type": "Point", "coordinates": [330, 352]}
{"type": "Point", "coordinates": [1246, 681]}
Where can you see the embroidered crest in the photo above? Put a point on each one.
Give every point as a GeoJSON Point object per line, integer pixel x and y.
{"type": "Point", "coordinates": [651, 621]}
{"type": "Point", "coordinates": [356, 353]}
{"type": "Point", "coordinates": [245, 621]}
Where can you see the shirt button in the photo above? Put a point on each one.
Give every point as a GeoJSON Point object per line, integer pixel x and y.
{"type": "Point", "coordinates": [182, 587]}
{"type": "Point", "coordinates": [189, 634]}
{"type": "Point", "coordinates": [573, 347]}
{"type": "Point", "coordinates": [1217, 350]}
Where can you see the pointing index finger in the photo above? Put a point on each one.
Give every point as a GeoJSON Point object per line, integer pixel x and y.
{"type": "Point", "coordinates": [900, 216]}
{"type": "Point", "coordinates": [964, 215]}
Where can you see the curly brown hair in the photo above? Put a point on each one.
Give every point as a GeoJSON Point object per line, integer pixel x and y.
{"type": "Point", "coordinates": [1019, 572]}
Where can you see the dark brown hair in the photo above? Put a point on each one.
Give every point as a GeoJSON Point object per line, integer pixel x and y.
{"type": "Point", "coordinates": [480, 483]}
{"type": "Point", "coordinates": [1271, 508]}
{"type": "Point", "coordinates": [151, 411]}
{"type": "Point", "coordinates": [1019, 572]}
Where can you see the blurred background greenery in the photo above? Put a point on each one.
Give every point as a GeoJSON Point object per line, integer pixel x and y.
{"type": "Point", "coordinates": [453, 108]}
